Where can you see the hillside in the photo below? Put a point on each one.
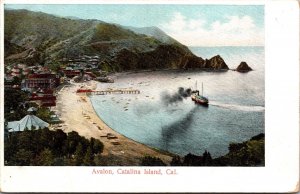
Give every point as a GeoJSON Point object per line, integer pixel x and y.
{"type": "Point", "coordinates": [33, 29]}
{"type": "Point", "coordinates": [154, 32]}
{"type": "Point", "coordinates": [39, 38]}
{"type": "Point", "coordinates": [247, 153]}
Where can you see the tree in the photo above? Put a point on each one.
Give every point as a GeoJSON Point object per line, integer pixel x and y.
{"type": "Point", "coordinates": [45, 158]}
{"type": "Point", "coordinates": [24, 140]}
{"type": "Point", "coordinates": [207, 160]}
{"type": "Point", "coordinates": [88, 159]}
{"type": "Point", "coordinates": [152, 161]}
{"type": "Point", "coordinates": [71, 143]}
{"type": "Point", "coordinates": [234, 147]}
{"type": "Point", "coordinates": [96, 145]}
{"type": "Point", "coordinates": [176, 161]}
{"type": "Point", "coordinates": [10, 147]}
{"type": "Point", "coordinates": [79, 154]}
{"type": "Point", "coordinates": [54, 67]}
{"type": "Point", "coordinates": [59, 138]}
{"type": "Point", "coordinates": [192, 160]}
{"type": "Point", "coordinates": [45, 138]}
{"type": "Point", "coordinates": [23, 158]}
{"type": "Point", "coordinates": [44, 114]}
{"type": "Point", "coordinates": [13, 104]}
{"type": "Point", "coordinates": [45, 147]}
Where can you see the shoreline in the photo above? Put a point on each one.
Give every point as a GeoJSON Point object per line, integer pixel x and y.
{"type": "Point", "coordinates": [78, 114]}
{"type": "Point", "coordinates": [163, 152]}
{"type": "Point", "coordinates": [171, 70]}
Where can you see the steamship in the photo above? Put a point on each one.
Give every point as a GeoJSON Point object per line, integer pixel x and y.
{"type": "Point", "coordinates": [199, 99]}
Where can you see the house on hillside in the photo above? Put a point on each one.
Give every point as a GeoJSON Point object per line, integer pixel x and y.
{"type": "Point", "coordinates": [16, 72]}
{"type": "Point", "coordinates": [70, 73]}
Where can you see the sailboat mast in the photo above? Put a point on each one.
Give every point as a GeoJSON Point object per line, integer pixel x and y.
{"type": "Point", "coordinates": [202, 89]}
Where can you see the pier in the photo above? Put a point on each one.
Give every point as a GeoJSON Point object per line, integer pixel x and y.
{"type": "Point", "coordinates": [108, 91]}
{"type": "Point", "coordinates": [118, 91]}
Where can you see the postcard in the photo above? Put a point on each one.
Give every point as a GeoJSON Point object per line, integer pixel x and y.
{"type": "Point", "coordinates": [150, 96]}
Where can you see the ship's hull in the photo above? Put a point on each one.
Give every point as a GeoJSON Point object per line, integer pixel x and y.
{"type": "Point", "coordinates": [200, 100]}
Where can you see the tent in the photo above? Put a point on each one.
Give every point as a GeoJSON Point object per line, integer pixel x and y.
{"type": "Point", "coordinates": [32, 109]}
{"type": "Point", "coordinates": [27, 122]}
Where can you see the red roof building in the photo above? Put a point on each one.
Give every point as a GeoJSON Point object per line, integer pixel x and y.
{"type": "Point", "coordinates": [46, 80]}
{"type": "Point", "coordinates": [44, 98]}
{"type": "Point", "coordinates": [71, 73]}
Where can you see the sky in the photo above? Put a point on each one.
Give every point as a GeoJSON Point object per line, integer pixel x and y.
{"type": "Point", "coordinates": [192, 25]}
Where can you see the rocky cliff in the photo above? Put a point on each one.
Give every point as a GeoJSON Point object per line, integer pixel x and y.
{"type": "Point", "coordinates": [215, 63]}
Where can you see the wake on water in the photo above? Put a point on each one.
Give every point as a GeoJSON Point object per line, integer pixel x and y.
{"type": "Point", "coordinates": [238, 107]}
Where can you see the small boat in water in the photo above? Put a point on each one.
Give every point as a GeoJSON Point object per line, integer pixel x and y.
{"type": "Point", "coordinates": [197, 98]}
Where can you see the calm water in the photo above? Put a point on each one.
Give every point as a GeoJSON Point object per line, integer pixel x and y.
{"type": "Point", "coordinates": [235, 113]}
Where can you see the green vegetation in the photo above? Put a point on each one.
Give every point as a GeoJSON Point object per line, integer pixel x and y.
{"type": "Point", "coordinates": [11, 48]}
{"type": "Point", "coordinates": [14, 104]}
{"type": "Point", "coordinates": [31, 29]}
{"type": "Point", "coordinates": [106, 66]}
{"type": "Point", "coordinates": [108, 32]}
{"type": "Point", "coordinates": [50, 148]}
{"type": "Point", "coordinates": [44, 114]}
{"type": "Point", "coordinates": [30, 24]}
{"type": "Point", "coordinates": [152, 161]}
{"type": "Point", "coordinates": [56, 148]}
{"type": "Point", "coordinates": [55, 67]}
{"type": "Point", "coordinates": [17, 80]}
{"type": "Point", "coordinates": [248, 153]}
{"type": "Point", "coordinates": [124, 49]}
{"type": "Point", "coordinates": [152, 41]}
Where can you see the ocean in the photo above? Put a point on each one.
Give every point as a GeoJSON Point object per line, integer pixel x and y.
{"type": "Point", "coordinates": [157, 118]}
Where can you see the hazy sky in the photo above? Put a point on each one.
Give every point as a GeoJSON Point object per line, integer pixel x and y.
{"type": "Point", "coordinates": [193, 25]}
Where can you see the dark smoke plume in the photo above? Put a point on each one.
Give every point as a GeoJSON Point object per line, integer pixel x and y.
{"type": "Point", "coordinates": [178, 128]}
{"type": "Point", "coordinates": [177, 97]}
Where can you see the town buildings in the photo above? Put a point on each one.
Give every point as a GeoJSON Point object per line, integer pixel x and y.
{"type": "Point", "coordinates": [39, 81]}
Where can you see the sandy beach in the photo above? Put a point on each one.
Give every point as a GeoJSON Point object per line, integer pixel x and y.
{"type": "Point", "coordinates": [77, 114]}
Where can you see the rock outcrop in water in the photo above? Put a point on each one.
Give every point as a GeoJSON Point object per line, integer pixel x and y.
{"type": "Point", "coordinates": [243, 67]}
{"type": "Point", "coordinates": [215, 63]}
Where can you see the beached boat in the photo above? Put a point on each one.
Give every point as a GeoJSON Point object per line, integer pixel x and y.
{"type": "Point", "coordinates": [199, 99]}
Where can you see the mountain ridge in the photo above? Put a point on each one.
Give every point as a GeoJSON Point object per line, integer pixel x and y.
{"type": "Point", "coordinates": [39, 38]}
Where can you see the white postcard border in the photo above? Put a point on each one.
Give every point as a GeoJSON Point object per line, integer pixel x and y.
{"type": "Point", "coordinates": [281, 173]}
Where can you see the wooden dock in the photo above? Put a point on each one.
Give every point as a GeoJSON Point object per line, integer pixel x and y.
{"type": "Point", "coordinates": [117, 91]}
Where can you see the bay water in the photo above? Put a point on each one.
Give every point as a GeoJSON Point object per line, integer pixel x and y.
{"type": "Point", "coordinates": [235, 112]}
